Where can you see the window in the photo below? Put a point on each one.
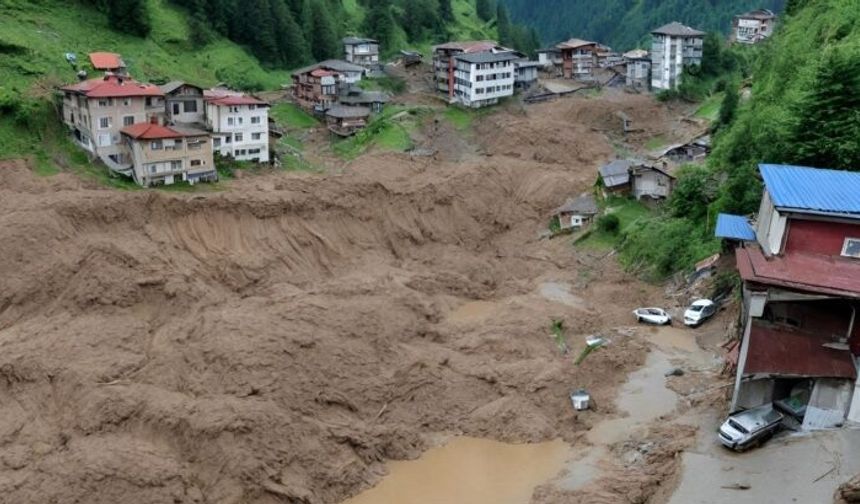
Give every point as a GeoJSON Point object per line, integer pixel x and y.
{"type": "Point", "coordinates": [240, 120]}
{"type": "Point", "coordinates": [104, 122]}
{"type": "Point", "coordinates": [216, 142]}
{"type": "Point", "coordinates": [176, 165]}
{"type": "Point", "coordinates": [105, 102]}
{"type": "Point", "coordinates": [196, 162]}
{"type": "Point", "coordinates": [156, 145]}
{"type": "Point", "coordinates": [238, 137]}
{"type": "Point", "coordinates": [851, 247]}
{"type": "Point", "coordinates": [230, 121]}
{"type": "Point", "coordinates": [128, 120]}
{"type": "Point", "coordinates": [189, 106]}
{"type": "Point", "coordinates": [148, 101]}
{"type": "Point", "coordinates": [126, 102]}
{"type": "Point", "coordinates": [256, 136]}
{"type": "Point", "coordinates": [227, 139]}
{"type": "Point", "coordinates": [175, 108]}
{"type": "Point", "coordinates": [253, 151]}
{"type": "Point", "coordinates": [152, 168]}
{"type": "Point", "coordinates": [252, 107]}
{"type": "Point", "coordinates": [255, 120]}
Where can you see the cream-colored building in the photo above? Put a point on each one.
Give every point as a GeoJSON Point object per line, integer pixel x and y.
{"type": "Point", "coordinates": [168, 154]}
{"type": "Point", "coordinates": [96, 110]}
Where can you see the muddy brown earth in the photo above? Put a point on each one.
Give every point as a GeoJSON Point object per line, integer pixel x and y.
{"type": "Point", "coordinates": [279, 340]}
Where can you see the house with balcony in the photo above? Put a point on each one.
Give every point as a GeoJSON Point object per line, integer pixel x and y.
{"type": "Point", "coordinates": [578, 58]}
{"type": "Point", "coordinates": [239, 126]}
{"type": "Point", "coordinates": [674, 47]}
{"type": "Point", "coordinates": [753, 27]}
{"type": "Point", "coordinates": [183, 103]}
{"type": "Point", "coordinates": [481, 79]}
{"type": "Point", "coordinates": [638, 75]}
{"type": "Point", "coordinates": [315, 89]}
{"type": "Point", "coordinates": [168, 154]}
{"type": "Point", "coordinates": [361, 51]}
{"type": "Point", "coordinates": [444, 63]}
{"type": "Point", "coordinates": [95, 111]}
{"type": "Point", "coordinates": [799, 260]}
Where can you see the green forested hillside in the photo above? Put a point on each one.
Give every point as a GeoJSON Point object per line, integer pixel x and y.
{"type": "Point", "coordinates": [623, 24]}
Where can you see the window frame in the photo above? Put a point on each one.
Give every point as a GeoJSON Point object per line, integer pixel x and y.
{"type": "Point", "coordinates": [845, 244]}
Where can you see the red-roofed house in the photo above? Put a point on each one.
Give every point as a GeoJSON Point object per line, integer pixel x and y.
{"type": "Point", "coordinates": [107, 61]}
{"type": "Point", "coordinates": [168, 154]}
{"type": "Point", "coordinates": [239, 125]}
{"type": "Point", "coordinates": [97, 109]}
{"type": "Point", "coordinates": [801, 294]}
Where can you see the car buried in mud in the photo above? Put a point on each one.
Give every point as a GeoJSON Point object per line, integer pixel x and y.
{"type": "Point", "coordinates": [652, 315]}
{"type": "Point", "coordinates": [750, 428]}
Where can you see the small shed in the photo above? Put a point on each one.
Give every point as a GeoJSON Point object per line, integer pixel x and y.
{"type": "Point", "coordinates": [577, 212]}
{"type": "Point", "coordinates": [649, 181]}
{"type": "Point", "coordinates": [616, 176]}
{"type": "Point", "coordinates": [345, 121]}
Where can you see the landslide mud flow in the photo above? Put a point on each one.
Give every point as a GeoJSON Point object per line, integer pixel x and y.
{"type": "Point", "coordinates": [278, 341]}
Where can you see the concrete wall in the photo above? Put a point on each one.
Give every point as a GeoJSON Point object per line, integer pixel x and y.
{"type": "Point", "coordinates": [172, 160]}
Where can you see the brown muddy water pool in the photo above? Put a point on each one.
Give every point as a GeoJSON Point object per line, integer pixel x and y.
{"type": "Point", "coordinates": [469, 471]}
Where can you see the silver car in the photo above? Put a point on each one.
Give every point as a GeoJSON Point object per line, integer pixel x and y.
{"type": "Point", "coordinates": [699, 311]}
{"type": "Point", "coordinates": [750, 427]}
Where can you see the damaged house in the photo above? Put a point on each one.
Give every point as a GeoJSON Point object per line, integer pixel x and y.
{"type": "Point", "coordinates": [577, 213]}
{"type": "Point", "coordinates": [623, 177]}
{"type": "Point", "coordinates": [801, 292]}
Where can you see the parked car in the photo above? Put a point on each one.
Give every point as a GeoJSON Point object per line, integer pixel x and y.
{"type": "Point", "coordinates": [652, 316]}
{"type": "Point", "coordinates": [750, 427]}
{"type": "Point", "coordinates": [699, 311]}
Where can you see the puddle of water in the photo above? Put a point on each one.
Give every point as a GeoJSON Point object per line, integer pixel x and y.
{"type": "Point", "coordinates": [469, 471]}
{"type": "Point", "coordinates": [560, 293]}
{"type": "Point", "coordinates": [472, 311]}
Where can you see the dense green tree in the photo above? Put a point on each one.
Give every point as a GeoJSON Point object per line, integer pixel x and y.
{"type": "Point", "coordinates": [324, 40]}
{"type": "Point", "coordinates": [419, 18]}
{"type": "Point", "coordinates": [379, 22]}
{"type": "Point", "coordinates": [728, 108]}
{"type": "Point", "coordinates": [306, 19]}
{"type": "Point", "coordinates": [503, 25]}
{"type": "Point", "coordinates": [446, 12]}
{"type": "Point", "coordinates": [292, 46]}
{"type": "Point", "coordinates": [129, 16]}
{"type": "Point", "coordinates": [827, 132]}
{"type": "Point", "coordinates": [484, 9]}
{"type": "Point", "coordinates": [694, 189]}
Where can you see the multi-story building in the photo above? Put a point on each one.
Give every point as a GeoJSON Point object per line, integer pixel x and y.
{"type": "Point", "coordinates": [753, 27]}
{"type": "Point", "coordinates": [526, 73]}
{"type": "Point", "coordinates": [315, 89]}
{"type": "Point", "coordinates": [800, 266]}
{"type": "Point", "coordinates": [673, 47]}
{"type": "Point", "coordinates": [444, 63]}
{"type": "Point", "coordinates": [239, 126]}
{"type": "Point", "coordinates": [638, 69]}
{"type": "Point", "coordinates": [361, 51]}
{"type": "Point", "coordinates": [480, 79]}
{"type": "Point", "coordinates": [550, 59]}
{"type": "Point", "coordinates": [184, 103]}
{"type": "Point", "coordinates": [166, 155]}
{"type": "Point", "coordinates": [578, 58]}
{"type": "Point", "coordinates": [96, 110]}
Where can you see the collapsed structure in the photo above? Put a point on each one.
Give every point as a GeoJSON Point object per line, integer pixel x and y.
{"type": "Point", "coordinates": [800, 265]}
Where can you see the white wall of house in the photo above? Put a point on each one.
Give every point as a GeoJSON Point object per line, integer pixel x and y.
{"type": "Point", "coordinates": [362, 54]}
{"type": "Point", "coordinates": [480, 84]}
{"type": "Point", "coordinates": [770, 227]}
{"type": "Point", "coordinates": [669, 56]}
{"type": "Point", "coordinates": [651, 183]}
{"type": "Point", "coordinates": [241, 131]}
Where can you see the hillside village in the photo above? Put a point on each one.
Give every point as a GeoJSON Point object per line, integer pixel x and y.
{"type": "Point", "coordinates": [468, 270]}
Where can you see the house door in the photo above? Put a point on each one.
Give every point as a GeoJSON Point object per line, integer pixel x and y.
{"type": "Point", "coordinates": [176, 108]}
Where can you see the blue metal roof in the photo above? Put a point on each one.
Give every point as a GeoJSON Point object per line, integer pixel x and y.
{"type": "Point", "coordinates": [735, 227]}
{"type": "Point", "coordinates": [813, 190]}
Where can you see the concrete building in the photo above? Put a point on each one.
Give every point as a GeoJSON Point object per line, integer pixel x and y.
{"type": "Point", "coordinates": [753, 27]}
{"type": "Point", "coordinates": [167, 155]}
{"type": "Point", "coordinates": [184, 103]}
{"type": "Point", "coordinates": [673, 47]}
{"type": "Point", "coordinates": [650, 182]}
{"type": "Point", "coordinates": [361, 51]}
{"type": "Point", "coordinates": [526, 74]}
{"type": "Point", "coordinates": [579, 59]}
{"type": "Point", "coordinates": [239, 126]}
{"type": "Point", "coordinates": [481, 79]}
{"type": "Point", "coordinates": [444, 65]}
{"type": "Point", "coordinates": [577, 213]}
{"type": "Point", "coordinates": [550, 59]}
{"type": "Point", "coordinates": [96, 110]}
{"type": "Point", "coordinates": [638, 74]}
{"type": "Point", "coordinates": [801, 293]}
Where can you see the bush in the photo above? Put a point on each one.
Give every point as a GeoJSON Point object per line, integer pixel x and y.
{"type": "Point", "coordinates": [608, 223]}
{"type": "Point", "coordinates": [659, 247]}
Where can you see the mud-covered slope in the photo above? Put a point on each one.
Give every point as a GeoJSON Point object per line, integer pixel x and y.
{"type": "Point", "coordinates": [278, 342]}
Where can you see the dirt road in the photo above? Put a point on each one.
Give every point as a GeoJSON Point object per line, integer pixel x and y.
{"type": "Point", "coordinates": [279, 340]}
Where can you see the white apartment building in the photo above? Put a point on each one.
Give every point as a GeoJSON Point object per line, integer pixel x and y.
{"type": "Point", "coordinates": [239, 126]}
{"type": "Point", "coordinates": [673, 47]}
{"type": "Point", "coordinates": [754, 26]}
{"type": "Point", "coordinates": [480, 79]}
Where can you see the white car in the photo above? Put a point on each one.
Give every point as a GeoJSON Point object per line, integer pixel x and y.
{"type": "Point", "coordinates": [699, 311]}
{"type": "Point", "coordinates": [652, 316]}
{"type": "Point", "coordinates": [749, 428]}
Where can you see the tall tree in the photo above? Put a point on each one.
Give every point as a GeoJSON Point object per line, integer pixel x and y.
{"type": "Point", "coordinates": [503, 25]}
{"type": "Point", "coordinates": [324, 41]}
{"type": "Point", "coordinates": [379, 22]}
{"type": "Point", "coordinates": [129, 16]}
{"type": "Point", "coordinates": [729, 107]}
{"type": "Point", "coordinates": [293, 48]}
{"type": "Point", "coordinates": [307, 20]}
{"type": "Point", "coordinates": [484, 9]}
{"type": "Point", "coordinates": [446, 12]}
